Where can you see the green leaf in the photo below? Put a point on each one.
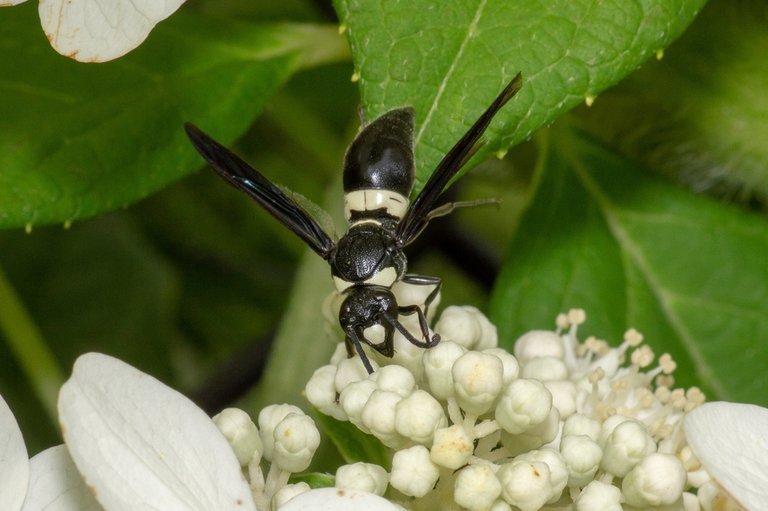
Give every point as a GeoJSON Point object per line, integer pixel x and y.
{"type": "Point", "coordinates": [450, 59]}
{"type": "Point", "coordinates": [315, 480]}
{"type": "Point", "coordinates": [353, 444]}
{"type": "Point", "coordinates": [635, 251]}
{"type": "Point", "coordinates": [699, 114]}
{"type": "Point", "coordinates": [83, 139]}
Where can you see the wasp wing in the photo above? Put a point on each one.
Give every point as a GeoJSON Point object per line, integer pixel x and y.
{"type": "Point", "coordinates": [247, 179]}
{"type": "Point", "coordinates": [417, 216]}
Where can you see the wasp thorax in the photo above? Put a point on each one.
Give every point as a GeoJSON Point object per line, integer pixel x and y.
{"type": "Point", "coordinates": [366, 254]}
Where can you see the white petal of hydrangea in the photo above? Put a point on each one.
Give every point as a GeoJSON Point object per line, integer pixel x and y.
{"type": "Point", "coordinates": [365, 477]}
{"type": "Point", "coordinates": [241, 433]}
{"type": "Point", "coordinates": [335, 499]}
{"type": "Point", "coordinates": [101, 30]}
{"type": "Point", "coordinates": [56, 485]}
{"type": "Point", "coordinates": [14, 464]}
{"type": "Point", "coordinates": [731, 442]}
{"type": "Point", "coordinates": [413, 473]}
{"type": "Point", "coordinates": [142, 445]}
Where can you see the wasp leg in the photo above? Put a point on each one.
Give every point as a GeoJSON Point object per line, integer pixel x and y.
{"type": "Point", "coordinates": [354, 340]}
{"type": "Point", "coordinates": [410, 309]}
{"type": "Point", "coordinates": [425, 280]}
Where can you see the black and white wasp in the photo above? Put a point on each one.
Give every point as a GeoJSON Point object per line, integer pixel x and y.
{"type": "Point", "coordinates": [368, 259]}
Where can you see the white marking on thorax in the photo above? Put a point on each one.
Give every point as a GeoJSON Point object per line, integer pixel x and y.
{"type": "Point", "coordinates": [372, 199]}
{"type": "Point", "coordinates": [384, 278]}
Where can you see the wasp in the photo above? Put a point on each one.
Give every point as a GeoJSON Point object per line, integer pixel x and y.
{"type": "Point", "coordinates": [368, 259]}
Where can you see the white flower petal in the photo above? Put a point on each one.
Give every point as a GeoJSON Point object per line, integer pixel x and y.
{"type": "Point", "coordinates": [142, 445]}
{"type": "Point", "coordinates": [56, 485]}
{"type": "Point", "coordinates": [14, 464]}
{"type": "Point", "coordinates": [729, 439]}
{"type": "Point", "coordinates": [337, 499]}
{"type": "Point", "coordinates": [8, 3]}
{"type": "Point", "coordinates": [101, 30]}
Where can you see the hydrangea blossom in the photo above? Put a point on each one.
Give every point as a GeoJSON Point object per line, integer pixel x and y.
{"type": "Point", "coordinates": [560, 424]}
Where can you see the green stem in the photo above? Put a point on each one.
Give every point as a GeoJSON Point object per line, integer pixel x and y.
{"type": "Point", "coordinates": [31, 351]}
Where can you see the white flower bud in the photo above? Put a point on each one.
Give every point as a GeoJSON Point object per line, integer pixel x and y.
{"type": "Point", "coordinates": [477, 381]}
{"type": "Point", "coordinates": [538, 343]}
{"type": "Point", "coordinates": [558, 472]}
{"type": "Point", "coordinates": [500, 505]}
{"type": "Point", "coordinates": [525, 484]}
{"type": "Point", "coordinates": [460, 325]}
{"type": "Point", "coordinates": [394, 378]}
{"type": "Point", "coordinates": [365, 477]}
{"type": "Point", "coordinates": [352, 400]}
{"type": "Point", "coordinates": [609, 425]}
{"type": "Point", "coordinates": [413, 473]}
{"type": "Point", "coordinates": [321, 392]}
{"type": "Point", "coordinates": [691, 502]}
{"type": "Point", "coordinates": [296, 440]}
{"type": "Point", "coordinates": [418, 416]}
{"type": "Point", "coordinates": [508, 362]}
{"type": "Point", "coordinates": [351, 370]}
{"type": "Point", "coordinates": [415, 294]}
{"type": "Point", "coordinates": [545, 369]}
{"type": "Point", "coordinates": [241, 433]}
{"type": "Point", "coordinates": [578, 424]}
{"type": "Point", "coordinates": [438, 364]}
{"type": "Point", "coordinates": [599, 496]}
{"type": "Point", "coordinates": [582, 456]}
{"type": "Point", "coordinates": [626, 446]}
{"type": "Point", "coordinates": [523, 404]}
{"type": "Point", "coordinates": [657, 480]}
{"type": "Point", "coordinates": [452, 447]}
{"type": "Point", "coordinates": [534, 437]}
{"type": "Point", "coordinates": [476, 487]}
{"type": "Point", "coordinates": [340, 351]}
{"type": "Point", "coordinates": [378, 416]}
{"type": "Point", "coordinates": [489, 337]}
{"type": "Point", "coordinates": [269, 417]}
{"type": "Point", "coordinates": [287, 492]}
{"type": "Point", "coordinates": [563, 396]}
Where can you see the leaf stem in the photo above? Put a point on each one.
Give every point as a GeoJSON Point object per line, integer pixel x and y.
{"type": "Point", "coordinates": [29, 347]}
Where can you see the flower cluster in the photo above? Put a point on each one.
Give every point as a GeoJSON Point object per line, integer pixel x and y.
{"type": "Point", "coordinates": [558, 423]}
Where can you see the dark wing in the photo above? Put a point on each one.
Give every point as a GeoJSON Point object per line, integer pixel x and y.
{"type": "Point", "coordinates": [247, 179]}
{"type": "Point", "coordinates": [416, 217]}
